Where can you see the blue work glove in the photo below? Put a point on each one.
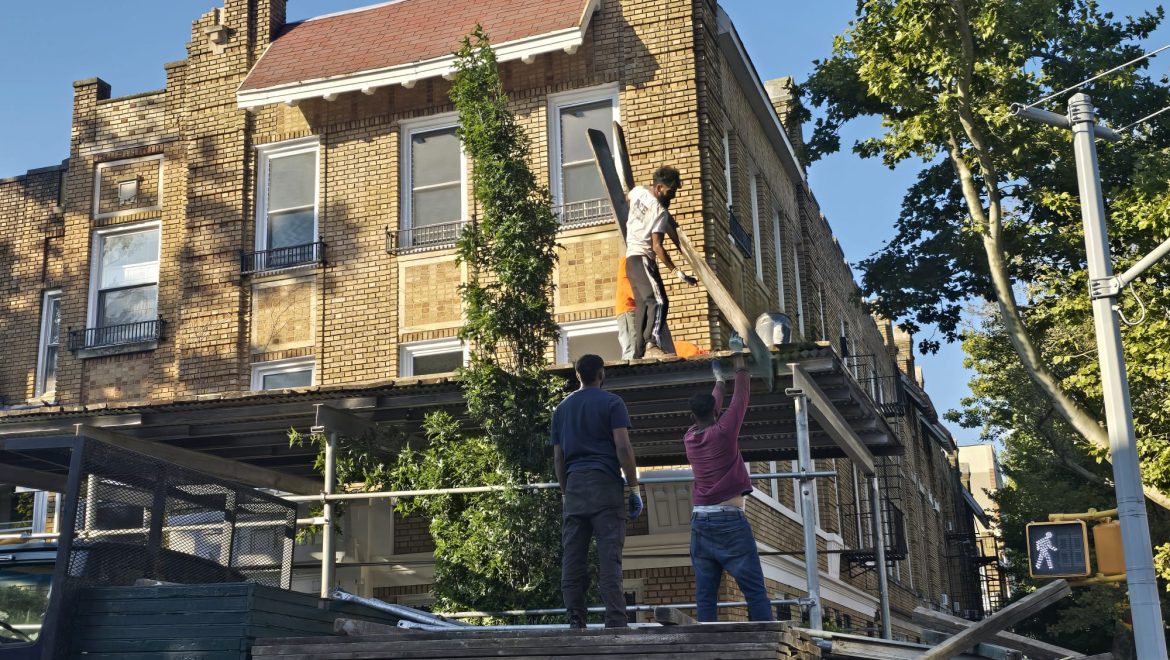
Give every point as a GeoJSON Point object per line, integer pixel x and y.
{"type": "Point", "coordinates": [717, 370]}
{"type": "Point", "coordinates": [635, 504]}
{"type": "Point", "coordinates": [735, 343]}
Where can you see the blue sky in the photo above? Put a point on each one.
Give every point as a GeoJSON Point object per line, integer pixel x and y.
{"type": "Point", "coordinates": [48, 45]}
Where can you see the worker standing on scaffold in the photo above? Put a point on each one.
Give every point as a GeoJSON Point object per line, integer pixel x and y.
{"type": "Point", "coordinates": [591, 447]}
{"type": "Point", "coordinates": [721, 537]}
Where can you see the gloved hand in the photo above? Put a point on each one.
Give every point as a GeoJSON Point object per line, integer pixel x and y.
{"type": "Point", "coordinates": [635, 504]}
{"type": "Point", "coordinates": [689, 279]}
{"type": "Point", "coordinates": [735, 343]}
{"type": "Point", "coordinates": [717, 370]}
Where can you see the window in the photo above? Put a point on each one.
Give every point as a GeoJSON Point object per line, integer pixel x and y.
{"type": "Point", "coordinates": [125, 278]}
{"type": "Point", "coordinates": [46, 382]}
{"type": "Point", "coordinates": [598, 336]}
{"type": "Point", "coordinates": [434, 184]}
{"type": "Point", "coordinates": [281, 374]}
{"type": "Point", "coordinates": [779, 245]}
{"type": "Point", "coordinates": [431, 357]}
{"type": "Point", "coordinates": [755, 191]}
{"type": "Point", "coordinates": [727, 169]}
{"type": "Point", "coordinates": [287, 206]}
{"type": "Point", "coordinates": [799, 294]}
{"type": "Point", "coordinates": [576, 187]}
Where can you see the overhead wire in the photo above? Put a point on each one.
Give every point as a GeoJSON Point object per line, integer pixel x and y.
{"type": "Point", "coordinates": [1119, 67]}
{"type": "Point", "coordinates": [1143, 120]}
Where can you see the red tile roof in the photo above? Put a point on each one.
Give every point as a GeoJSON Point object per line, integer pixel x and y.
{"type": "Point", "coordinates": [403, 32]}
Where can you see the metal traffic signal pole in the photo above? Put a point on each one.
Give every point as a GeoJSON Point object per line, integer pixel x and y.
{"type": "Point", "coordinates": [1104, 288]}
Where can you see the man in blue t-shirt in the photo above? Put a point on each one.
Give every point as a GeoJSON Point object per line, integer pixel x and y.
{"type": "Point", "coordinates": [591, 444]}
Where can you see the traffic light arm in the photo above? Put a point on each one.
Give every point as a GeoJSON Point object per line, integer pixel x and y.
{"type": "Point", "coordinates": [1091, 514]}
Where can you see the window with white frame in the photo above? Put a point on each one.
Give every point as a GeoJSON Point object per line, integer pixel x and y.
{"type": "Point", "coordinates": [282, 374]}
{"type": "Point", "coordinates": [125, 276]}
{"type": "Point", "coordinates": [778, 242]}
{"type": "Point", "coordinates": [434, 182]}
{"type": "Point", "coordinates": [576, 187]}
{"type": "Point", "coordinates": [597, 336]}
{"type": "Point", "coordinates": [287, 196]}
{"type": "Point", "coordinates": [431, 357]}
{"type": "Point", "coordinates": [727, 168]}
{"type": "Point", "coordinates": [50, 344]}
{"type": "Point", "coordinates": [755, 191]}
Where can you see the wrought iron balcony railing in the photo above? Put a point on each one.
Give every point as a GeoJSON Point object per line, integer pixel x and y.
{"type": "Point", "coordinates": [584, 213]}
{"type": "Point", "coordinates": [427, 237]}
{"type": "Point", "coordinates": [739, 236]}
{"type": "Point", "coordinates": [116, 335]}
{"type": "Point", "coordinates": [265, 261]}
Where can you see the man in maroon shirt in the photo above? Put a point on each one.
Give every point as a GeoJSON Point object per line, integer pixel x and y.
{"type": "Point", "coordinates": [721, 538]}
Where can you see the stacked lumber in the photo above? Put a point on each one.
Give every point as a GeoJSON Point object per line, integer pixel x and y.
{"type": "Point", "coordinates": [729, 641]}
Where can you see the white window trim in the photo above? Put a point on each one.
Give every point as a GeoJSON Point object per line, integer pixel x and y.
{"type": "Point", "coordinates": [557, 102]}
{"type": "Point", "coordinates": [42, 344]}
{"type": "Point", "coordinates": [96, 259]}
{"type": "Point", "coordinates": [408, 129]}
{"type": "Point", "coordinates": [289, 281]}
{"type": "Point", "coordinates": [407, 352]}
{"type": "Point", "coordinates": [582, 329]}
{"type": "Point", "coordinates": [777, 239]}
{"type": "Point", "coordinates": [97, 186]}
{"type": "Point", "coordinates": [799, 295]}
{"type": "Point", "coordinates": [727, 168]}
{"type": "Point", "coordinates": [759, 251]}
{"type": "Point", "coordinates": [262, 369]}
{"type": "Point", "coordinates": [264, 153]}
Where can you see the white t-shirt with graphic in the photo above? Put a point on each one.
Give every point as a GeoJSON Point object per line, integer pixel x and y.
{"type": "Point", "coordinates": [647, 217]}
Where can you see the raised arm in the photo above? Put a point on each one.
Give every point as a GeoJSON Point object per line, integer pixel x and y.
{"type": "Point", "coordinates": [734, 415]}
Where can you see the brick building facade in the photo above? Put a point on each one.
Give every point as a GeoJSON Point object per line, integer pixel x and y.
{"type": "Point", "coordinates": [237, 233]}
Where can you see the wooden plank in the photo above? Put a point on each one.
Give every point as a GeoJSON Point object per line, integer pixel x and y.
{"type": "Point", "coordinates": [603, 158]}
{"type": "Point", "coordinates": [163, 655]}
{"type": "Point", "coordinates": [665, 652]}
{"type": "Point", "coordinates": [215, 466]}
{"type": "Point", "coordinates": [985, 650]}
{"type": "Point", "coordinates": [669, 616]}
{"type": "Point", "coordinates": [623, 154]}
{"type": "Point", "coordinates": [761, 362]}
{"type": "Point", "coordinates": [1032, 647]}
{"type": "Point", "coordinates": [823, 411]}
{"type": "Point", "coordinates": [147, 645]}
{"type": "Point", "coordinates": [986, 629]}
{"type": "Point", "coordinates": [359, 628]}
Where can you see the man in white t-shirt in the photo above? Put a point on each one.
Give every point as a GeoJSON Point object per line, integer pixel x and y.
{"type": "Point", "coordinates": [648, 222]}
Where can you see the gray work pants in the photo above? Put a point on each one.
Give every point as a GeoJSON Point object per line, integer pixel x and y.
{"type": "Point", "coordinates": [595, 507]}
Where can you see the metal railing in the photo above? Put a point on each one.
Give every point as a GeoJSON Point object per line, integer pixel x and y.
{"type": "Point", "coordinates": [424, 237]}
{"type": "Point", "coordinates": [584, 213]}
{"type": "Point", "coordinates": [739, 236]}
{"type": "Point", "coordinates": [116, 335]}
{"type": "Point", "coordinates": [281, 258]}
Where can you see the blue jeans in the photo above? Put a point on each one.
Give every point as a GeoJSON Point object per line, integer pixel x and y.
{"type": "Point", "coordinates": [723, 541]}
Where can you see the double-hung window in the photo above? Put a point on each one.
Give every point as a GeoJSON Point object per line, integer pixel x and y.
{"type": "Point", "coordinates": [434, 186]}
{"type": "Point", "coordinates": [46, 382]}
{"type": "Point", "coordinates": [282, 374]}
{"type": "Point", "coordinates": [286, 223]}
{"type": "Point", "coordinates": [124, 292]}
{"type": "Point", "coordinates": [577, 188]}
{"type": "Point", "coordinates": [598, 336]}
{"type": "Point", "coordinates": [439, 356]}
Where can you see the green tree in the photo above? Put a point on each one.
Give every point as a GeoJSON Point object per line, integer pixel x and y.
{"type": "Point", "coordinates": [493, 550]}
{"type": "Point", "coordinates": [994, 208]}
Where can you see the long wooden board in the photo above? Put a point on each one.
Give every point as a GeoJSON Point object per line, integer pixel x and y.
{"type": "Point", "coordinates": [761, 362]}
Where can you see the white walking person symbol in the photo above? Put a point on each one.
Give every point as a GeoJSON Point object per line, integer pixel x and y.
{"type": "Point", "coordinates": [1043, 547]}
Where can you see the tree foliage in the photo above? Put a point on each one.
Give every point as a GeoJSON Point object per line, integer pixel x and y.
{"type": "Point", "coordinates": [994, 209]}
{"type": "Point", "coordinates": [494, 550]}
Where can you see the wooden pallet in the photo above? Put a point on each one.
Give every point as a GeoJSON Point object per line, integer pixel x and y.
{"type": "Point", "coordinates": [206, 621]}
{"type": "Point", "coordinates": [730, 641]}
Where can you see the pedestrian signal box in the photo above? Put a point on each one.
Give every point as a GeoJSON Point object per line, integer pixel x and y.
{"type": "Point", "coordinates": [1058, 549]}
